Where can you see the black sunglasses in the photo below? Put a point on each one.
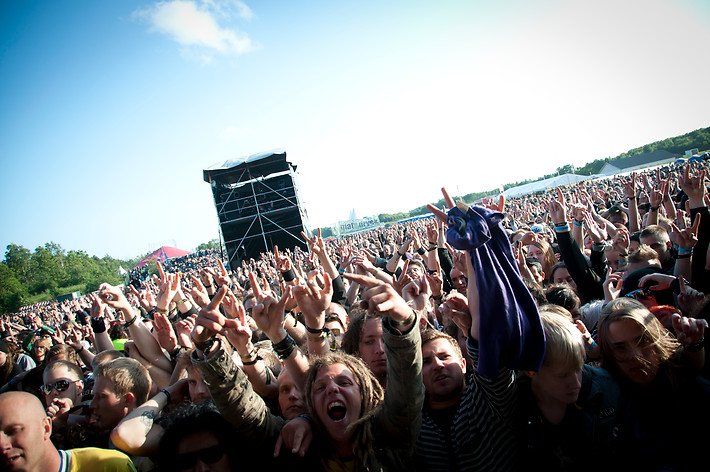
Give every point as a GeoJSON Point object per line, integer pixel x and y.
{"type": "Point", "coordinates": [208, 455]}
{"type": "Point", "coordinates": [641, 293]}
{"type": "Point", "coordinates": [59, 386]}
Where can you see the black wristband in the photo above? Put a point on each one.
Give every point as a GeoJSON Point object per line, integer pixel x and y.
{"type": "Point", "coordinates": [699, 346]}
{"type": "Point", "coordinates": [285, 347]}
{"type": "Point", "coordinates": [98, 325]}
{"type": "Point", "coordinates": [421, 251]}
{"type": "Point", "coordinates": [314, 330]}
{"type": "Point", "coordinates": [204, 346]}
{"type": "Point", "coordinates": [289, 275]}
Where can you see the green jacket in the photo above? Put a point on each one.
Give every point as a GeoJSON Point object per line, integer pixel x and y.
{"type": "Point", "coordinates": [395, 426]}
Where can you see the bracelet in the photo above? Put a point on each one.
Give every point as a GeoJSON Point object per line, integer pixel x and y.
{"type": "Point", "coordinates": [167, 394]}
{"type": "Point", "coordinates": [591, 345]}
{"type": "Point", "coordinates": [130, 323]}
{"type": "Point", "coordinates": [562, 223]}
{"type": "Point", "coordinates": [577, 223]}
{"type": "Point", "coordinates": [683, 256]}
{"type": "Point", "coordinates": [562, 229]}
{"type": "Point", "coordinates": [161, 310]}
{"type": "Point", "coordinates": [421, 251]}
{"type": "Point", "coordinates": [80, 350]}
{"type": "Point", "coordinates": [285, 347]}
{"type": "Point", "coordinates": [315, 331]}
{"type": "Point", "coordinates": [433, 248]}
{"type": "Point", "coordinates": [252, 362]}
{"type": "Point", "coordinates": [204, 346]}
{"type": "Point", "coordinates": [403, 256]}
{"type": "Point", "coordinates": [654, 208]}
{"type": "Point", "coordinates": [251, 355]}
{"type": "Point", "coordinates": [432, 244]}
{"type": "Point", "coordinates": [699, 346]}
{"type": "Point", "coordinates": [399, 324]}
{"type": "Point", "coordinates": [685, 251]}
{"type": "Point", "coordinates": [182, 301]}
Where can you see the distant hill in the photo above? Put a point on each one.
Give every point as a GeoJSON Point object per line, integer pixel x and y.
{"type": "Point", "coordinates": [699, 139]}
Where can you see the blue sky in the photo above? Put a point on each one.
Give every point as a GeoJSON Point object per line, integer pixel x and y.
{"type": "Point", "coordinates": [109, 111]}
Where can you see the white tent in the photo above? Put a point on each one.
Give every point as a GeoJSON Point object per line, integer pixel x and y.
{"type": "Point", "coordinates": [552, 182]}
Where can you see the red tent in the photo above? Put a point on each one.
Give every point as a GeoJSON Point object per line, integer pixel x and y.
{"type": "Point", "coordinates": [162, 254]}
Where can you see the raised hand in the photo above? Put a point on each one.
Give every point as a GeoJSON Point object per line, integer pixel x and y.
{"type": "Point", "coordinates": [283, 262]}
{"type": "Point", "coordinates": [686, 238]}
{"type": "Point", "coordinates": [417, 293]}
{"type": "Point", "coordinates": [455, 306]}
{"type": "Point", "coordinates": [164, 332]}
{"type": "Point", "coordinates": [198, 292]}
{"type": "Point", "coordinates": [313, 300]}
{"type": "Point", "coordinates": [210, 321]}
{"type": "Point", "coordinates": [382, 297]}
{"type": "Point", "coordinates": [113, 296]}
{"type": "Point", "coordinates": [688, 330]}
{"type": "Point", "coordinates": [268, 313]}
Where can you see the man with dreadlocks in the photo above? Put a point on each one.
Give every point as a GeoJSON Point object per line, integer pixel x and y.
{"type": "Point", "coordinates": [358, 425]}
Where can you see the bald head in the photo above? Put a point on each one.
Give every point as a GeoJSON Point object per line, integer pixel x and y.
{"type": "Point", "coordinates": [25, 431]}
{"type": "Point", "coordinates": [30, 405]}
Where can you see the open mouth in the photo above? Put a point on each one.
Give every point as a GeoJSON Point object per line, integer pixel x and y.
{"type": "Point", "coordinates": [440, 378]}
{"type": "Point", "coordinates": [337, 410]}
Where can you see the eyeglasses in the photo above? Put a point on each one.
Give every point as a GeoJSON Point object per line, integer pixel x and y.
{"type": "Point", "coordinates": [59, 386]}
{"type": "Point", "coordinates": [208, 455]}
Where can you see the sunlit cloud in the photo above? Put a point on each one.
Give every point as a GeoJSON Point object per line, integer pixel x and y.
{"type": "Point", "coordinates": [195, 26]}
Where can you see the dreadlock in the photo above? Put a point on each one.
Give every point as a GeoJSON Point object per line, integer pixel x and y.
{"type": "Point", "coordinates": [372, 395]}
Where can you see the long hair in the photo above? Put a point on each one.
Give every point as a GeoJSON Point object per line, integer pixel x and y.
{"type": "Point", "coordinates": [655, 336]}
{"type": "Point", "coordinates": [371, 393]}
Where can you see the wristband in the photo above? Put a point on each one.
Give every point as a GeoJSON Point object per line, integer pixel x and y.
{"type": "Point", "coordinates": [699, 346]}
{"type": "Point", "coordinates": [577, 223]}
{"type": "Point", "coordinates": [204, 346]}
{"type": "Point", "coordinates": [683, 256]}
{"type": "Point", "coordinates": [289, 275]}
{"type": "Point", "coordinates": [683, 251]}
{"type": "Point", "coordinates": [654, 208]}
{"type": "Point", "coordinates": [98, 325]}
{"type": "Point", "coordinates": [316, 331]}
{"type": "Point", "coordinates": [562, 223]}
{"type": "Point", "coordinates": [562, 229]}
{"type": "Point", "coordinates": [167, 394]}
{"type": "Point", "coordinates": [400, 324]}
{"type": "Point", "coordinates": [421, 251]}
{"type": "Point", "coordinates": [252, 362]}
{"type": "Point", "coordinates": [285, 347]}
{"type": "Point", "coordinates": [130, 323]}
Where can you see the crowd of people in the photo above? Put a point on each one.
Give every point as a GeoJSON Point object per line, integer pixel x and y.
{"type": "Point", "coordinates": [562, 330]}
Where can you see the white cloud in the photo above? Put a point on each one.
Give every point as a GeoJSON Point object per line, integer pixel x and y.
{"type": "Point", "coordinates": [194, 26]}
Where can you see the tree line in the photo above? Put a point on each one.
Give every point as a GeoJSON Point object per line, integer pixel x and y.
{"type": "Point", "coordinates": [29, 277]}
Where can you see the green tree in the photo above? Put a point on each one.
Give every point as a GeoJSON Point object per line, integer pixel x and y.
{"type": "Point", "coordinates": [17, 259]}
{"type": "Point", "coordinates": [12, 293]}
{"type": "Point", "coordinates": [211, 244]}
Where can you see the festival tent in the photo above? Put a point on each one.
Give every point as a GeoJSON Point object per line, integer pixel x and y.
{"type": "Point", "coordinates": [557, 181]}
{"type": "Point", "coordinates": [162, 254]}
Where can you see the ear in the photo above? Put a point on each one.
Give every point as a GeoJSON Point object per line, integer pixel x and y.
{"type": "Point", "coordinates": [130, 400]}
{"type": "Point", "coordinates": [463, 365]}
{"type": "Point", "coordinates": [46, 428]}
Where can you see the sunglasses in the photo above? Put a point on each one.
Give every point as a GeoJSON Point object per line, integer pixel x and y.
{"type": "Point", "coordinates": [59, 386]}
{"type": "Point", "coordinates": [208, 455]}
{"type": "Point", "coordinates": [642, 294]}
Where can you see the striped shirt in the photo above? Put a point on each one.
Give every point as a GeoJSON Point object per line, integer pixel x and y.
{"type": "Point", "coordinates": [481, 435]}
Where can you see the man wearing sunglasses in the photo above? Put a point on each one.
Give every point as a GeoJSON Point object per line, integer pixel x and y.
{"type": "Point", "coordinates": [63, 384]}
